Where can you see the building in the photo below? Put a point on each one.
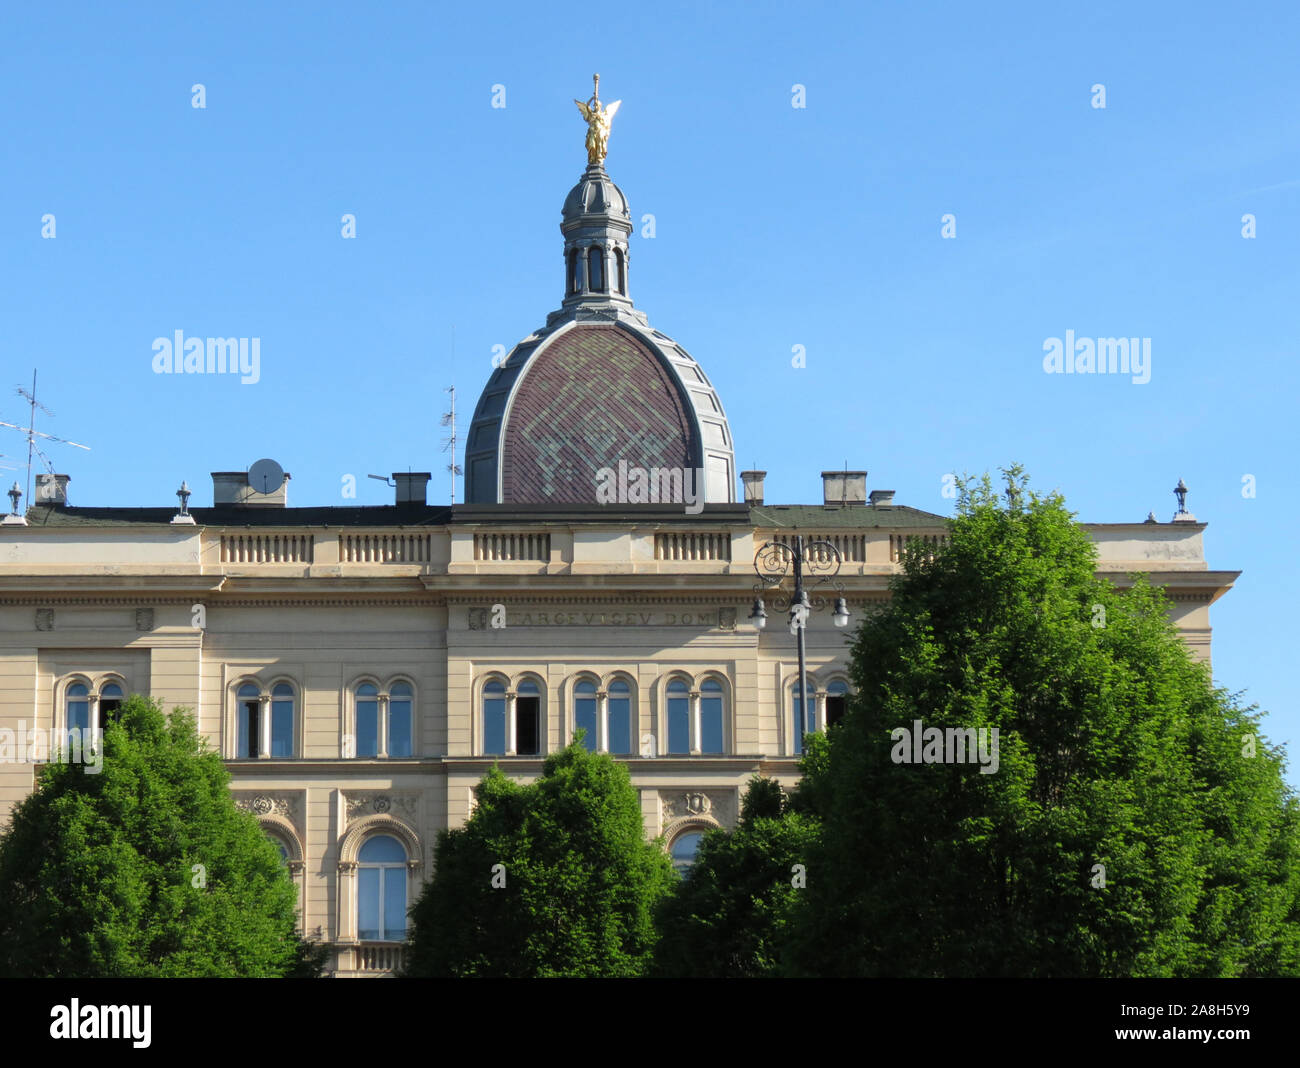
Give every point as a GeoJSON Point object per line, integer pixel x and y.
{"type": "Point", "coordinates": [361, 668]}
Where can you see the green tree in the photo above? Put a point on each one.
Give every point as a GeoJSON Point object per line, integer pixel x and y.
{"type": "Point", "coordinates": [1137, 823]}
{"type": "Point", "coordinates": [146, 868]}
{"type": "Point", "coordinates": [554, 878]}
{"type": "Point", "coordinates": [729, 915]}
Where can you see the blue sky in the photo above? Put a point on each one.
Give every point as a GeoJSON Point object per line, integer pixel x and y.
{"type": "Point", "coordinates": [775, 226]}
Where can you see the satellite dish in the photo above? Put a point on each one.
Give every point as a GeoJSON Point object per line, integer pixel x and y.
{"type": "Point", "coordinates": [266, 476]}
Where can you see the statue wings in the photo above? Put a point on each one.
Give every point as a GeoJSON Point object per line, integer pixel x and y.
{"type": "Point", "coordinates": [588, 113]}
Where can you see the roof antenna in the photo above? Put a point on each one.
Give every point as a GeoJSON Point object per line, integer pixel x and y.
{"type": "Point", "coordinates": [32, 433]}
{"type": "Point", "coordinates": [449, 442]}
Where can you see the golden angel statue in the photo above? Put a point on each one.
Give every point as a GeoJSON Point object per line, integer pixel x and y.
{"type": "Point", "coordinates": [598, 121]}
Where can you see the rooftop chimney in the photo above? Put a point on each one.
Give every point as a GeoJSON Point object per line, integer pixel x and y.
{"type": "Point", "coordinates": [844, 487]}
{"type": "Point", "coordinates": [411, 486]}
{"type": "Point", "coordinates": [753, 481]}
{"type": "Point", "coordinates": [52, 489]}
{"type": "Point", "coordinates": [232, 488]}
{"type": "Point", "coordinates": [881, 497]}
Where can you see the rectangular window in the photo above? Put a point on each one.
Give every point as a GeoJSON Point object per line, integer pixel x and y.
{"type": "Point", "coordinates": [368, 913]}
{"type": "Point", "coordinates": [679, 725]}
{"type": "Point", "coordinates": [367, 727]}
{"type": "Point", "coordinates": [399, 728]}
{"type": "Point", "coordinates": [494, 725]}
{"type": "Point", "coordinates": [620, 725]}
{"type": "Point", "coordinates": [584, 718]}
{"type": "Point", "coordinates": [282, 728]}
{"type": "Point", "coordinates": [394, 904]}
{"type": "Point", "coordinates": [246, 744]}
{"type": "Point", "coordinates": [526, 739]}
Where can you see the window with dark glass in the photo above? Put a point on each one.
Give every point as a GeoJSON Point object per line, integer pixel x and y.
{"type": "Point", "coordinates": [528, 707]}
{"type": "Point", "coordinates": [596, 269]}
{"type": "Point", "coordinates": [110, 700]}
{"type": "Point", "coordinates": [837, 696]}
{"type": "Point", "coordinates": [247, 717]}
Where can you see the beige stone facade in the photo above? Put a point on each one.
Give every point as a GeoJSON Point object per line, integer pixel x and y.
{"type": "Point", "coordinates": [190, 613]}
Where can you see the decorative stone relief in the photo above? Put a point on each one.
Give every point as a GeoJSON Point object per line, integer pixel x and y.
{"type": "Point", "coordinates": [276, 803]}
{"type": "Point", "coordinates": [727, 618]}
{"type": "Point", "coordinates": [45, 619]}
{"type": "Point", "coordinates": [716, 804]}
{"type": "Point", "coordinates": [144, 619]}
{"type": "Point", "coordinates": [369, 803]}
{"type": "Point", "coordinates": [477, 618]}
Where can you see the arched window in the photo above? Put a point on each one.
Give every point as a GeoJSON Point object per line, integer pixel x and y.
{"type": "Point", "coordinates": [494, 717]}
{"type": "Point", "coordinates": [679, 717]}
{"type": "Point", "coordinates": [711, 718]}
{"type": "Point", "coordinates": [620, 717]}
{"type": "Point", "coordinates": [282, 700]}
{"type": "Point", "coordinates": [621, 265]}
{"type": "Point", "coordinates": [585, 713]}
{"type": "Point", "coordinates": [110, 700]}
{"type": "Point", "coordinates": [367, 720]}
{"type": "Point", "coordinates": [573, 271]}
{"type": "Point", "coordinates": [248, 721]}
{"type": "Point", "coordinates": [595, 269]}
{"type": "Point", "coordinates": [528, 719]}
{"type": "Point", "coordinates": [400, 699]}
{"type": "Point", "coordinates": [683, 851]}
{"type": "Point", "coordinates": [837, 696]}
{"type": "Point", "coordinates": [381, 890]}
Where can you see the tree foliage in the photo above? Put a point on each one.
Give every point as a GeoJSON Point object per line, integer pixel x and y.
{"type": "Point", "coordinates": [146, 868]}
{"type": "Point", "coordinates": [729, 916]}
{"type": "Point", "coordinates": [1138, 823]}
{"type": "Point", "coordinates": [554, 878]}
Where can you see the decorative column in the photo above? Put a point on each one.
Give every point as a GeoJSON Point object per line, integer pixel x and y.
{"type": "Point", "coordinates": [819, 716]}
{"type": "Point", "coordinates": [582, 268]}
{"type": "Point", "coordinates": [382, 702]}
{"type": "Point", "coordinates": [511, 722]}
{"type": "Point", "coordinates": [264, 725]}
{"type": "Point", "coordinates": [602, 721]}
{"type": "Point", "coordinates": [695, 722]}
{"type": "Point", "coordinates": [611, 271]}
{"type": "Point", "coordinates": [347, 920]}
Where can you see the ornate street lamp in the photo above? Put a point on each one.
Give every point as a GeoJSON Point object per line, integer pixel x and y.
{"type": "Point", "coordinates": [15, 494]}
{"type": "Point", "coordinates": [820, 561]}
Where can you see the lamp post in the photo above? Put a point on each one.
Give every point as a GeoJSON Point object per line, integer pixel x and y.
{"type": "Point", "coordinates": [821, 561]}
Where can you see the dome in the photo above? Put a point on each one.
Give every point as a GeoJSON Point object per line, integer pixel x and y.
{"type": "Point", "coordinates": [598, 388]}
{"type": "Point", "coordinates": [595, 195]}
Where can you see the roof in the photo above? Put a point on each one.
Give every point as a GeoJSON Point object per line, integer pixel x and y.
{"type": "Point", "coordinates": [810, 516]}
{"type": "Point", "coordinates": [817, 516]}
